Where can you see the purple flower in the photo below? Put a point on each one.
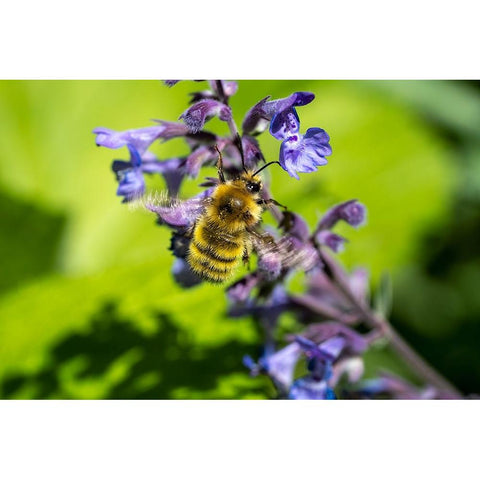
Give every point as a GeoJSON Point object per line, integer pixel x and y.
{"type": "Point", "coordinates": [327, 351]}
{"type": "Point", "coordinates": [173, 170]}
{"type": "Point", "coordinates": [257, 118]}
{"type": "Point", "coordinates": [333, 241]}
{"type": "Point", "coordinates": [180, 214]}
{"type": "Point", "coordinates": [140, 138]}
{"type": "Point", "coordinates": [183, 274]}
{"type": "Point", "coordinates": [223, 88]}
{"type": "Point", "coordinates": [202, 111]}
{"type": "Point", "coordinates": [203, 154]}
{"type": "Point", "coordinates": [352, 212]}
{"type": "Point", "coordinates": [251, 150]}
{"type": "Point", "coordinates": [240, 291]}
{"type": "Point", "coordinates": [279, 366]}
{"type": "Point", "coordinates": [131, 183]}
{"type": "Point", "coordinates": [304, 153]}
{"type": "Point", "coordinates": [308, 388]}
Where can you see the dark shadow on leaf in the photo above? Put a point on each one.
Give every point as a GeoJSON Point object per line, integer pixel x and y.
{"type": "Point", "coordinates": [160, 362]}
{"type": "Point", "coordinates": [29, 240]}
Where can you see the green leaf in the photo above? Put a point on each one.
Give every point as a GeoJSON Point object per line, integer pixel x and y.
{"type": "Point", "coordinates": [127, 333]}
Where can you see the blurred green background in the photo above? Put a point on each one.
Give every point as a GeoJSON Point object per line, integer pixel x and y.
{"type": "Point", "coordinates": [88, 308]}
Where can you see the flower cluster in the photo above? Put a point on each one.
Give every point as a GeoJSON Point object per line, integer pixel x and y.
{"type": "Point", "coordinates": [335, 325]}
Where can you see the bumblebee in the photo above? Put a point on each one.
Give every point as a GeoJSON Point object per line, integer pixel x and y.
{"type": "Point", "coordinates": [224, 234]}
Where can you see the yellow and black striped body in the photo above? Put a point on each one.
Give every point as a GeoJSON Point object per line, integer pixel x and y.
{"type": "Point", "coordinates": [220, 236]}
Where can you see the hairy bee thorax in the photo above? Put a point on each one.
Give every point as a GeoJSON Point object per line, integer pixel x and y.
{"type": "Point", "coordinates": [235, 203]}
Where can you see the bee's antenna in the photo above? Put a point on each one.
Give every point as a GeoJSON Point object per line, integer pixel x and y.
{"type": "Point", "coordinates": [238, 141]}
{"type": "Point", "coordinates": [265, 166]}
{"type": "Point", "coordinates": [221, 176]}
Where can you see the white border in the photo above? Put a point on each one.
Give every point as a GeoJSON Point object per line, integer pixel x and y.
{"type": "Point", "coordinates": [250, 39]}
{"type": "Point", "coordinates": [238, 439]}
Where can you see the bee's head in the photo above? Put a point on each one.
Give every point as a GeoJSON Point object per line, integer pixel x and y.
{"type": "Point", "coordinates": [253, 184]}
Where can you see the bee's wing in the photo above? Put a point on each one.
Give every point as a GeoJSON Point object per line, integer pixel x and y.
{"type": "Point", "coordinates": [289, 252]}
{"type": "Point", "coordinates": [178, 213]}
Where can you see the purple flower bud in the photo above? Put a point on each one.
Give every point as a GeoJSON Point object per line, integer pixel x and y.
{"type": "Point", "coordinates": [240, 291]}
{"type": "Point", "coordinates": [170, 83]}
{"type": "Point", "coordinates": [358, 282]}
{"type": "Point", "coordinates": [295, 226]}
{"type": "Point", "coordinates": [202, 111]}
{"type": "Point", "coordinates": [223, 88]}
{"type": "Point", "coordinates": [308, 388]}
{"type": "Point", "coordinates": [353, 368]}
{"type": "Point", "coordinates": [333, 241]}
{"type": "Point", "coordinates": [352, 212]}
{"type": "Point", "coordinates": [252, 153]}
{"type": "Point", "coordinates": [304, 153]}
{"type": "Point", "coordinates": [256, 119]}
{"type": "Point", "coordinates": [182, 214]}
{"type": "Point", "coordinates": [270, 264]}
{"type": "Point", "coordinates": [183, 274]}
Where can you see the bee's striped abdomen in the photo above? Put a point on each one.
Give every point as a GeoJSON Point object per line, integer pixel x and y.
{"type": "Point", "coordinates": [214, 254]}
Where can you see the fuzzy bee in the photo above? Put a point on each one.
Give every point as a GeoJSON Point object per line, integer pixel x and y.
{"type": "Point", "coordinates": [224, 234]}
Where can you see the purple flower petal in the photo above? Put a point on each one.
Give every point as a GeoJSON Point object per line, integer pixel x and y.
{"type": "Point", "coordinates": [281, 365]}
{"type": "Point", "coordinates": [172, 129]}
{"type": "Point", "coordinates": [200, 112]}
{"type": "Point", "coordinates": [352, 212]}
{"type": "Point", "coordinates": [256, 119]}
{"type": "Point", "coordinates": [296, 99]}
{"type": "Point", "coordinates": [310, 389]}
{"type": "Point", "coordinates": [304, 153]}
{"type": "Point", "coordinates": [329, 350]}
{"type": "Point", "coordinates": [285, 124]}
{"type": "Point", "coordinates": [173, 170]}
{"type": "Point", "coordinates": [131, 184]}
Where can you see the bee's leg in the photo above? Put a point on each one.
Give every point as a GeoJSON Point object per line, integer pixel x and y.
{"type": "Point", "coordinates": [270, 201]}
{"type": "Point", "coordinates": [221, 176]}
{"type": "Point", "coordinates": [246, 253]}
{"type": "Point", "coordinates": [265, 238]}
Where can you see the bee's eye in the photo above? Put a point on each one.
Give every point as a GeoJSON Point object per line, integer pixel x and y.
{"type": "Point", "coordinates": [253, 187]}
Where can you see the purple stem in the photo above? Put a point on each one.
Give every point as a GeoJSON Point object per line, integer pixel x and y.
{"type": "Point", "coordinates": [401, 347]}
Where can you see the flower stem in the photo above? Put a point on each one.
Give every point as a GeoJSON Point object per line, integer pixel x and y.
{"type": "Point", "coordinates": [419, 365]}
